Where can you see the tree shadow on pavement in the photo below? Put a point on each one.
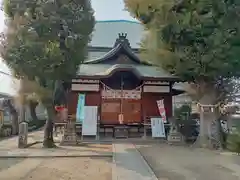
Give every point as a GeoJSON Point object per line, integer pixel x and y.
{"type": "Point", "coordinates": [180, 163]}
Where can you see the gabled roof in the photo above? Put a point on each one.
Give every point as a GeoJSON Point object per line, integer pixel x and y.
{"type": "Point", "coordinates": [116, 60]}
{"type": "Point", "coordinates": [122, 46]}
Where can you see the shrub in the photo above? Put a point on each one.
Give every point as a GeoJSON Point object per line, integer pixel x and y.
{"type": "Point", "coordinates": [182, 112]}
{"type": "Point", "coordinates": [189, 129]}
{"type": "Point", "coordinates": [233, 141]}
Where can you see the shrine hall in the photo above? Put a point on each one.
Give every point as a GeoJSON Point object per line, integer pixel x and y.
{"type": "Point", "coordinates": [123, 88]}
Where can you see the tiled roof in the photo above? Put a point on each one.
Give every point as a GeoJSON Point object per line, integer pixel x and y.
{"type": "Point", "coordinates": [102, 70]}
{"type": "Point", "coordinates": [122, 46]}
{"type": "Point", "coordinates": [122, 37]}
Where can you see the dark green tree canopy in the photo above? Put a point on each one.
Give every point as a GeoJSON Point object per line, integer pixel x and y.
{"type": "Point", "coordinates": [197, 40]}
{"type": "Point", "coordinates": [45, 42]}
{"type": "Point", "coordinates": [46, 38]}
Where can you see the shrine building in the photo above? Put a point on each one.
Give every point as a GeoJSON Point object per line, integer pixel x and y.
{"type": "Point", "coordinates": [120, 83]}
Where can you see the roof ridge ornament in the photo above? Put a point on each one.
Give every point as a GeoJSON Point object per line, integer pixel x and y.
{"type": "Point", "coordinates": [122, 35]}
{"type": "Point", "coordinates": [122, 39]}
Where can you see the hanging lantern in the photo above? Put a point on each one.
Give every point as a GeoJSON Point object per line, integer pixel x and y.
{"type": "Point", "coordinates": [59, 108]}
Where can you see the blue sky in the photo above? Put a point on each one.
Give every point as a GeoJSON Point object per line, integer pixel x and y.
{"type": "Point", "coordinates": [104, 10]}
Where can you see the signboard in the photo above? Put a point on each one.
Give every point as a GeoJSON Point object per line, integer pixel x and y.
{"type": "Point", "coordinates": [86, 81]}
{"type": "Point", "coordinates": [80, 108]}
{"type": "Point", "coordinates": [89, 124]}
{"type": "Point", "coordinates": [157, 89]}
{"type": "Point", "coordinates": [157, 83]}
{"type": "Point", "coordinates": [158, 129]}
{"type": "Point", "coordinates": [125, 94]}
{"type": "Point", "coordinates": [85, 87]}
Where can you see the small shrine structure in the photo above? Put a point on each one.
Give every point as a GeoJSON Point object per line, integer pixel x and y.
{"type": "Point", "coordinates": [124, 88]}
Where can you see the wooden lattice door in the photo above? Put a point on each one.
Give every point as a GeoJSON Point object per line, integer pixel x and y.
{"type": "Point", "coordinates": [131, 111]}
{"type": "Point", "coordinates": [110, 110]}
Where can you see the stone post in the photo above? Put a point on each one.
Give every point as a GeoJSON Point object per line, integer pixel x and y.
{"type": "Point", "coordinates": [174, 136]}
{"type": "Point", "coordinates": [209, 136]}
{"type": "Point", "coordinates": [23, 135]}
{"type": "Point", "coordinates": [69, 137]}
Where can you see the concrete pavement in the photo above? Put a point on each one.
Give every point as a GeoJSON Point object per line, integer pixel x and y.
{"type": "Point", "coordinates": [167, 162]}
{"type": "Point", "coordinates": [128, 164]}
{"type": "Point", "coordinates": [183, 163]}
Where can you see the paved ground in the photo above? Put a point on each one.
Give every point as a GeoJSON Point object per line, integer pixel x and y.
{"type": "Point", "coordinates": [120, 161]}
{"type": "Point", "coordinates": [179, 163]}
{"type": "Point", "coordinates": [88, 161]}
{"type": "Point", "coordinates": [128, 164]}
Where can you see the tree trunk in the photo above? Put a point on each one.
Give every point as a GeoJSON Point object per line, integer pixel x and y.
{"type": "Point", "coordinates": [48, 141]}
{"type": "Point", "coordinates": [220, 133]}
{"type": "Point", "coordinates": [14, 118]}
{"type": "Point", "coordinates": [32, 108]}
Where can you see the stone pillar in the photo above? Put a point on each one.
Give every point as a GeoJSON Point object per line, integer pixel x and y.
{"type": "Point", "coordinates": [69, 136]}
{"type": "Point", "coordinates": [174, 136]}
{"type": "Point", "coordinates": [209, 136]}
{"type": "Point", "coordinates": [23, 135]}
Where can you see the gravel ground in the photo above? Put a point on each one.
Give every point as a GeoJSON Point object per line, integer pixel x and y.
{"type": "Point", "coordinates": [179, 163]}
{"type": "Point", "coordinates": [67, 168]}
{"type": "Point", "coordinates": [8, 162]}
{"type": "Point", "coordinates": [59, 169]}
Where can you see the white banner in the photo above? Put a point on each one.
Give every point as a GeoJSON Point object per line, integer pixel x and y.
{"type": "Point", "coordinates": [89, 124]}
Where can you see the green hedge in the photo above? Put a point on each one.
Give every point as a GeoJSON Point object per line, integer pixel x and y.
{"type": "Point", "coordinates": [233, 141]}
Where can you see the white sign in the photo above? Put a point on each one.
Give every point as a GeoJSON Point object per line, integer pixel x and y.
{"type": "Point", "coordinates": [157, 82]}
{"type": "Point", "coordinates": [85, 87]}
{"type": "Point", "coordinates": [87, 81]}
{"type": "Point", "coordinates": [158, 89]}
{"type": "Point", "coordinates": [89, 124]}
{"type": "Point", "coordinates": [158, 129]}
{"type": "Point", "coordinates": [126, 94]}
